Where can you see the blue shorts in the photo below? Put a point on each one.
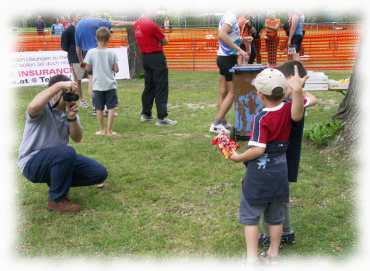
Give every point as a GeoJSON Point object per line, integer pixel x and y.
{"type": "Point", "coordinates": [104, 98]}
{"type": "Point", "coordinates": [250, 214]}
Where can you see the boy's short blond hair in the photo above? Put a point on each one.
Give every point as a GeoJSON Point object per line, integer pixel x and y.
{"type": "Point", "coordinates": [103, 34]}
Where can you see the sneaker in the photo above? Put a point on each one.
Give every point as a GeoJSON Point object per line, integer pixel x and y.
{"type": "Point", "coordinates": [63, 206]}
{"type": "Point", "coordinates": [264, 240]}
{"type": "Point", "coordinates": [226, 124]}
{"type": "Point", "coordinates": [288, 238]}
{"type": "Point", "coordinates": [166, 122]}
{"type": "Point", "coordinates": [217, 128]}
{"type": "Point", "coordinates": [100, 185]}
{"type": "Point", "coordinates": [84, 104]}
{"type": "Point", "coordinates": [145, 118]}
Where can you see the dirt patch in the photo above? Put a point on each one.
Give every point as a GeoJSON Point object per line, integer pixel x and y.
{"type": "Point", "coordinates": [199, 106]}
{"type": "Point", "coordinates": [192, 106]}
{"type": "Point", "coordinates": [183, 135]}
{"type": "Point", "coordinates": [328, 104]}
{"type": "Point", "coordinates": [184, 209]}
{"type": "Point", "coordinates": [218, 188]}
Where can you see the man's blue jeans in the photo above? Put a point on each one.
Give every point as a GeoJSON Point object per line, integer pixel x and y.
{"type": "Point", "coordinates": [61, 168]}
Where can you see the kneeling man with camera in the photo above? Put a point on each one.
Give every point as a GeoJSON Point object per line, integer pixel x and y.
{"type": "Point", "coordinates": [44, 154]}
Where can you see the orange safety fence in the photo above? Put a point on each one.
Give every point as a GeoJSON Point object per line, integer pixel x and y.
{"type": "Point", "coordinates": [34, 42]}
{"type": "Point", "coordinates": [331, 47]}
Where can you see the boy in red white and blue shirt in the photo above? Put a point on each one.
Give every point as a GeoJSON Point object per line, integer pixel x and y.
{"type": "Point", "coordinates": [293, 153]}
{"type": "Point", "coordinates": [265, 187]}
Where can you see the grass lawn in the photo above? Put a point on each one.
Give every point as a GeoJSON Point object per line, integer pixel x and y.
{"type": "Point", "coordinates": [169, 192]}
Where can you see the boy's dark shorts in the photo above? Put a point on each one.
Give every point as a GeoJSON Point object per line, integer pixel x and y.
{"type": "Point", "coordinates": [297, 42]}
{"type": "Point", "coordinates": [250, 215]}
{"type": "Point", "coordinates": [105, 98]}
{"type": "Point", "coordinates": [224, 64]}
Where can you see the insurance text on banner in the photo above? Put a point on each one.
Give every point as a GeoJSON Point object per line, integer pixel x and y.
{"type": "Point", "coordinates": [35, 68]}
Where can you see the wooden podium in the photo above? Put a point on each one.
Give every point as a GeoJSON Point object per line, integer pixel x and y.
{"type": "Point", "coordinates": [246, 102]}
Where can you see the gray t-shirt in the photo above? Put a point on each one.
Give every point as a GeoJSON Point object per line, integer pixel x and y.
{"type": "Point", "coordinates": [102, 60]}
{"type": "Point", "coordinates": [49, 129]}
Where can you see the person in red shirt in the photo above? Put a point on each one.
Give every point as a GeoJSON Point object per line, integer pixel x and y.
{"type": "Point", "coordinates": [150, 40]}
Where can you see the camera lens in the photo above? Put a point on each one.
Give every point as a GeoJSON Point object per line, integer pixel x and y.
{"type": "Point", "coordinates": [70, 97]}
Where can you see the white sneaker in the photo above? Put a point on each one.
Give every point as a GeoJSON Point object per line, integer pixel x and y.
{"type": "Point", "coordinates": [218, 128]}
{"type": "Point", "coordinates": [145, 118]}
{"type": "Point", "coordinates": [166, 122]}
{"type": "Point", "coordinates": [84, 104]}
{"type": "Point", "coordinates": [100, 185]}
{"type": "Point", "coordinates": [226, 124]}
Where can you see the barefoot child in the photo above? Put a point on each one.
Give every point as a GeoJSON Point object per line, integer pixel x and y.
{"type": "Point", "coordinates": [265, 187]}
{"type": "Point", "coordinates": [103, 64]}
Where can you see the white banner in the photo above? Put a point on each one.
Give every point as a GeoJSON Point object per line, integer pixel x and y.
{"type": "Point", "coordinates": [124, 71]}
{"type": "Point", "coordinates": [35, 68]}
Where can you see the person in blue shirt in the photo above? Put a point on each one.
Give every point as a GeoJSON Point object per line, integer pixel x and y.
{"type": "Point", "coordinates": [85, 35]}
{"type": "Point", "coordinates": [57, 28]}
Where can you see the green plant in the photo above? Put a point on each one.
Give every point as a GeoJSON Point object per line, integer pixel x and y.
{"type": "Point", "coordinates": [322, 133]}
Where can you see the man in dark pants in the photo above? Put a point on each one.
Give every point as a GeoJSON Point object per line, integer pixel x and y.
{"type": "Point", "coordinates": [150, 40]}
{"type": "Point", "coordinates": [44, 154]}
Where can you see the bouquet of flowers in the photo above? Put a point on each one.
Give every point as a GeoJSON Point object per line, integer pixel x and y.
{"type": "Point", "coordinates": [225, 144]}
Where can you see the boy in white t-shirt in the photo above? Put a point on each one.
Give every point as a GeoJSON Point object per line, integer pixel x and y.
{"type": "Point", "coordinates": [103, 64]}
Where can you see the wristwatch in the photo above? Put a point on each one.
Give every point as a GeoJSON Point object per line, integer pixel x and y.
{"type": "Point", "coordinates": [72, 120]}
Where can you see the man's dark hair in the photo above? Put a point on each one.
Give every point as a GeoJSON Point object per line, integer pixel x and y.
{"type": "Point", "coordinates": [58, 78]}
{"type": "Point", "coordinates": [276, 95]}
{"type": "Point", "coordinates": [287, 68]}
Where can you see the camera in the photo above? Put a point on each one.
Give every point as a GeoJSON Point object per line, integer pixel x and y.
{"type": "Point", "coordinates": [70, 97]}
